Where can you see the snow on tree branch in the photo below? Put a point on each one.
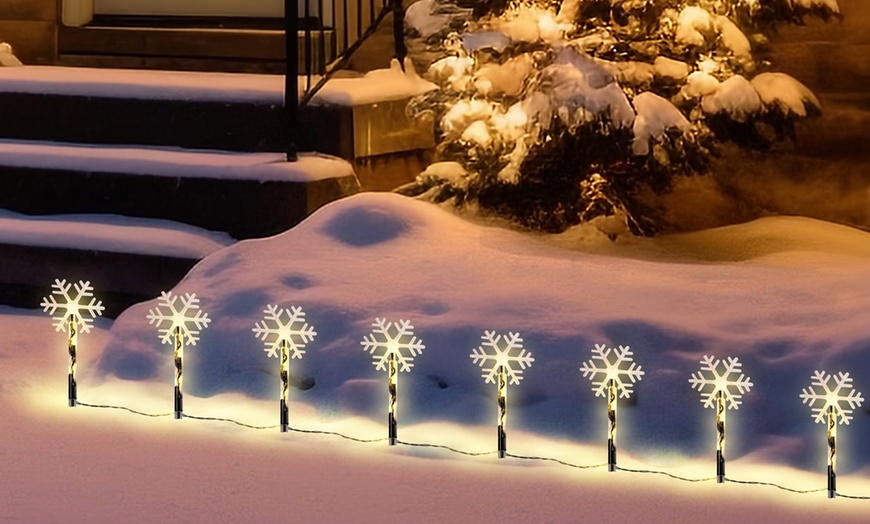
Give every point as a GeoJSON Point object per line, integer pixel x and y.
{"type": "Point", "coordinates": [537, 98]}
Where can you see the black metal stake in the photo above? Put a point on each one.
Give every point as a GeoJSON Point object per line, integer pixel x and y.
{"type": "Point", "coordinates": [392, 386]}
{"type": "Point", "coordinates": [178, 358]}
{"type": "Point", "coordinates": [71, 347]}
{"type": "Point", "coordinates": [502, 412]}
{"type": "Point", "coordinates": [611, 425]}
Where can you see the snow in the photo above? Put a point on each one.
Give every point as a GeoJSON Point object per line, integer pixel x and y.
{"type": "Point", "coordinates": [699, 84]}
{"type": "Point", "coordinates": [735, 96]}
{"type": "Point", "coordinates": [375, 86]}
{"type": "Point", "coordinates": [784, 92]}
{"type": "Point", "coordinates": [809, 4]}
{"type": "Point", "coordinates": [462, 114]}
{"type": "Point", "coordinates": [578, 81]}
{"type": "Point", "coordinates": [672, 69]}
{"type": "Point", "coordinates": [475, 41]}
{"type": "Point", "coordinates": [452, 72]}
{"type": "Point", "coordinates": [171, 162]}
{"type": "Point", "coordinates": [695, 24]}
{"type": "Point", "coordinates": [654, 116]}
{"type": "Point", "coordinates": [110, 233]}
{"type": "Point", "coordinates": [429, 17]}
{"type": "Point", "coordinates": [503, 79]}
{"type": "Point", "coordinates": [733, 38]}
{"type": "Point", "coordinates": [451, 171]}
{"type": "Point", "coordinates": [692, 24]}
{"type": "Point", "coordinates": [7, 57]}
{"type": "Point", "coordinates": [780, 293]}
{"type": "Point", "coordinates": [378, 85]}
{"type": "Point", "coordinates": [477, 132]}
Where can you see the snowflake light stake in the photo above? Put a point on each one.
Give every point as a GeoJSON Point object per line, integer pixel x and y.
{"type": "Point", "coordinates": [178, 318]}
{"type": "Point", "coordinates": [282, 336]}
{"type": "Point", "coordinates": [722, 387]}
{"type": "Point", "coordinates": [392, 345]}
{"type": "Point", "coordinates": [612, 371]}
{"type": "Point", "coordinates": [834, 396]}
{"type": "Point", "coordinates": [68, 314]}
{"type": "Point", "coordinates": [495, 352]}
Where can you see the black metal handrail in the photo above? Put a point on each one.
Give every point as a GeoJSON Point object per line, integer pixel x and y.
{"type": "Point", "coordinates": [344, 25]}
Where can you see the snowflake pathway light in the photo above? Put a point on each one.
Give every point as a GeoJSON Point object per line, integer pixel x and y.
{"type": "Point", "coordinates": [178, 318]}
{"type": "Point", "coordinates": [612, 370]}
{"type": "Point", "coordinates": [722, 387]}
{"type": "Point", "coordinates": [495, 352]}
{"type": "Point", "coordinates": [392, 345]}
{"type": "Point", "coordinates": [68, 314]}
{"type": "Point", "coordinates": [282, 336]}
{"type": "Point", "coordinates": [834, 396]}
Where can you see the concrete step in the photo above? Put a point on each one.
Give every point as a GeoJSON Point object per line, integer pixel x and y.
{"type": "Point", "coordinates": [153, 43]}
{"type": "Point", "coordinates": [244, 194]}
{"type": "Point", "coordinates": [193, 110]}
{"type": "Point", "coordinates": [127, 260]}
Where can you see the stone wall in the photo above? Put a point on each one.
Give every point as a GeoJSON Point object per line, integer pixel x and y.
{"type": "Point", "coordinates": [31, 27]}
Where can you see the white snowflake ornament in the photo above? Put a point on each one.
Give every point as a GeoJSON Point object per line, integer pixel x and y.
{"type": "Point", "coordinates": [496, 352]}
{"type": "Point", "coordinates": [388, 338]}
{"type": "Point", "coordinates": [295, 330]}
{"type": "Point", "coordinates": [71, 308]}
{"type": "Point", "coordinates": [721, 375]}
{"type": "Point", "coordinates": [832, 391]}
{"type": "Point", "coordinates": [614, 364]}
{"type": "Point", "coordinates": [168, 316]}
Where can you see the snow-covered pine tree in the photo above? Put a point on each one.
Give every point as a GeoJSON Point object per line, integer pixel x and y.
{"type": "Point", "coordinates": [554, 113]}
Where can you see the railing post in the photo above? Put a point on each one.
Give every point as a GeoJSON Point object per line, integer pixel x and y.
{"type": "Point", "coordinates": [291, 75]}
{"type": "Point", "coordinates": [399, 31]}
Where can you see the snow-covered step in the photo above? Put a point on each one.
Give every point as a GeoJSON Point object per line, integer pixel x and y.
{"type": "Point", "coordinates": [350, 117]}
{"type": "Point", "coordinates": [126, 259]}
{"type": "Point", "coordinates": [243, 194]}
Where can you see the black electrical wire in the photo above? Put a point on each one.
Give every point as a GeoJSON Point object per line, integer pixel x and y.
{"type": "Point", "coordinates": [473, 454]}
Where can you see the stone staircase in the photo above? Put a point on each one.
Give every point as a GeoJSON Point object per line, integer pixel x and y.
{"type": "Point", "coordinates": [128, 181]}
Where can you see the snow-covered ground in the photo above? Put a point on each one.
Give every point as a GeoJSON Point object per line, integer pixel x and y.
{"type": "Point", "coordinates": [787, 295]}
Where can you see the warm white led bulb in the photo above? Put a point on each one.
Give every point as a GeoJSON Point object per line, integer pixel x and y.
{"type": "Point", "coordinates": [832, 391]}
{"type": "Point", "coordinates": [721, 376]}
{"type": "Point", "coordinates": [388, 338]}
{"type": "Point", "coordinates": [495, 352]}
{"type": "Point", "coordinates": [167, 316]}
{"type": "Point", "coordinates": [295, 331]}
{"type": "Point", "coordinates": [72, 308]}
{"type": "Point", "coordinates": [614, 364]}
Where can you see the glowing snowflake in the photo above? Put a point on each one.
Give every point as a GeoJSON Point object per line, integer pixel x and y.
{"type": "Point", "coordinates": [72, 308]}
{"type": "Point", "coordinates": [502, 357]}
{"type": "Point", "coordinates": [403, 344]}
{"type": "Point", "coordinates": [822, 399]}
{"type": "Point", "coordinates": [272, 330]}
{"type": "Point", "coordinates": [732, 386]}
{"type": "Point", "coordinates": [166, 316]}
{"type": "Point", "coordinates": [610, 366]}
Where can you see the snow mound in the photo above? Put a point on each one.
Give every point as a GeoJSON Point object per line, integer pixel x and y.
{"type": "Point", "coordinates": [781, 294]}
{"type": "Point", "coordinates": [784, 92]}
